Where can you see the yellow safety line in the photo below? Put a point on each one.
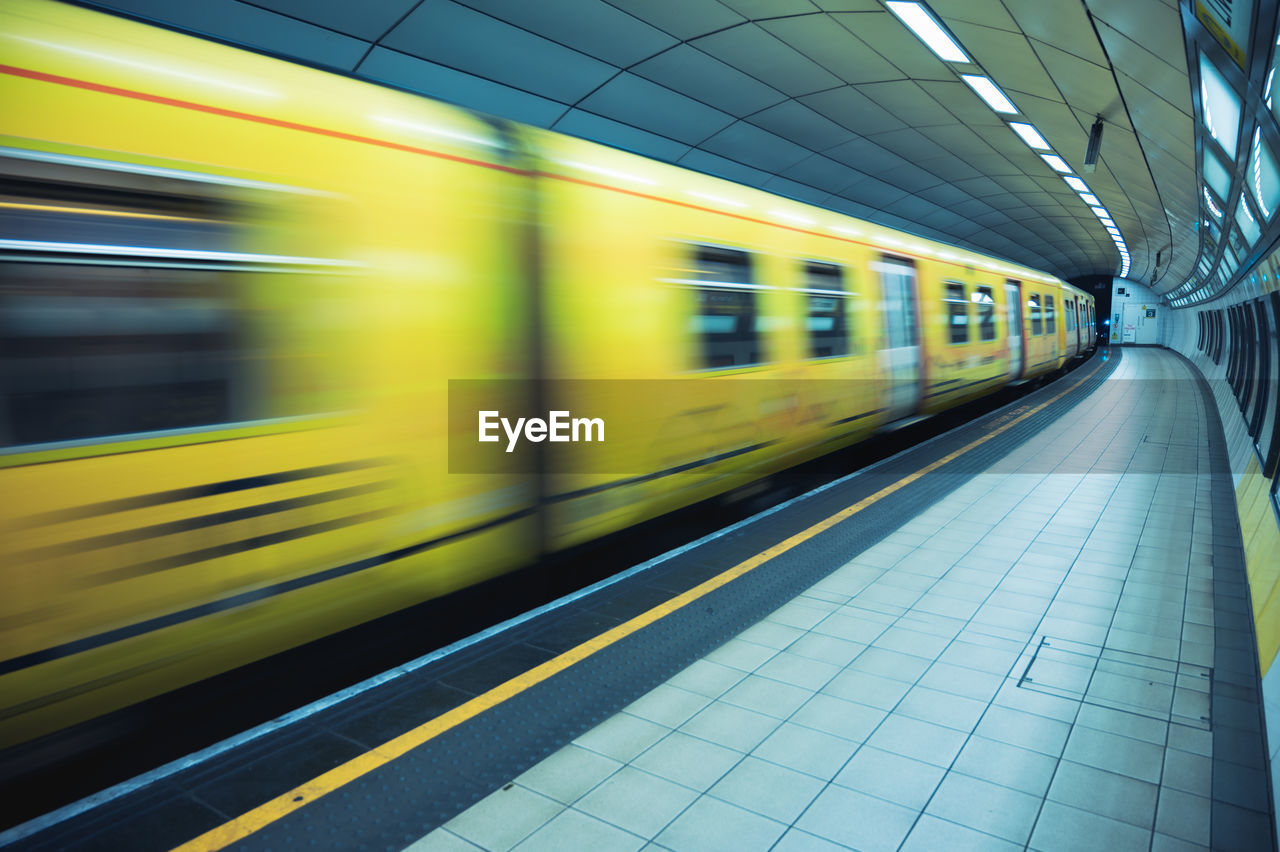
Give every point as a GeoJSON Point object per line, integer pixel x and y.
{"type": "Point", "coordinates": [267, 813]}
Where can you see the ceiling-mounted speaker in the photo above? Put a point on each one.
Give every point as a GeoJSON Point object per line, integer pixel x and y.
{"type": "Point", "coordinates": [1095, 142]}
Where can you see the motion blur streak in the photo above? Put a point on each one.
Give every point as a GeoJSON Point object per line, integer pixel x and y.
{"type": "Point", "coordinates": [227, 338]}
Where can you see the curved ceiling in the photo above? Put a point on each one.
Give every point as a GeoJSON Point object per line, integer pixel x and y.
{"type": "Point", "coordinates": [832, 102]}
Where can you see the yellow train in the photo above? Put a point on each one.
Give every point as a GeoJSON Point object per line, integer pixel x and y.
{"type": "Point", "coordinates": [252, 314]}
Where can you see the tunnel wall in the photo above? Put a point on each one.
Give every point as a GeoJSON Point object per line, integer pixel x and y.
{"type": "Point", "coordinates": [1259, 523]}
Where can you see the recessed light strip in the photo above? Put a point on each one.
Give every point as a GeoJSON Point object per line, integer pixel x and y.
{"type": "Point", "coordinates": [990, 93]}
{"type": "Point", "coordinates": [929, 30]}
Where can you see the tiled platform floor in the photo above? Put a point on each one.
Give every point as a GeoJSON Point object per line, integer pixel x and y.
{"type": "Point", "coordinates": [1026, 664]}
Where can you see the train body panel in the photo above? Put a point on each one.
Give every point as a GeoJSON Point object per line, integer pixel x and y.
{"type": "Point", "coordinates": [236, 291]}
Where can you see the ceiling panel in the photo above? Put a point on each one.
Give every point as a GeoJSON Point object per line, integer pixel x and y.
{"type": "Point", "coordinates": [777, 64]}
{"type": "Point", "coordinates": [865, 155]}
{"type": "Point", "coordinates": [705, 78]}
{"type": "Point", "coordinates": [1079, 80]}
{"type": "Point", "coordinates": [910, 144]}
{"type": "Point", "coordinates": [1067, 26]}
{"type": "Point", "coordinates": [458, 37]}
{"type": "Point", "coordinates": [912, 208]}
{"type": "Point", "coordinates": [681, 18]}
{"type": "Point", "coordinates": [713, 164]}
{"type": "Point", "coordinates": [983, 14]}
{"type": "Point", "coordinates": [368, 19]}
{"type": "Point", "coordinates": [758, 148]}
{"type": "Point", "coordinates": [945, 194]}
{"type": "Point", "coordinates": [853, 110]}
{"type": "Point", "coordinates": [909, 178]}
{"type": "Point", "coordinates": [801, 124]}
{"type": "Point", "coordinates": [636, 101]}
{"type": "Point", "coordinates": [588, 26]}
{"type": "Point", "coordinates": [587, 125]}
{"type": "Point", "coordinates": [822, 172]}
{"type": "Point", "coordinates": [905, 99]}
{"type": "Point", "coordinates": [419, 75]}
{"type": "Point", "coordinates": [1146, 22]}
{"type": "Point", "coordinates": [873, 192]}
{"type": "Point", "coordinates": [1008, 58]}
{"type": "Point", "coordinates": [798, 191]}
{"type": "Point", "coordinates": [836, 49]}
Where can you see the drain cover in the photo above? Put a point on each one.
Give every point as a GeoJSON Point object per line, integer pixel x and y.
{"type": "Point", "coordinates": [1155, 687]}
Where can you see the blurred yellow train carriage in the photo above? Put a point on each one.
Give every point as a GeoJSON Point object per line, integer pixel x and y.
{"type": "Point", "coordinates": [235, 291]}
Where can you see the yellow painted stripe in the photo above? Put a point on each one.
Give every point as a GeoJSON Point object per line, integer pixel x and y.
{"type": "Point", "coordinates": [178, 438]}
{"type": "Point", "coordinates": [97, 211]}
{"type": "Point", "coordinates": [267, 813]}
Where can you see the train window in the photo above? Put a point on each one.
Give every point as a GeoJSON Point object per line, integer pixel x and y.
{"type": "Point", "coordinates": [1049, 315]}
{"type": "Point", "coordinates": [827, 321]}
{"type": "Point", "coordinates": [957, 312]}
{"type": "Point", "coordinates": [986, 312]}
{"type": "Point", "coordinates": [726, 319]}
{"type": "Point", "coordinates": [1069, 314]}
{"type": "Point", "coordinates": [1033, 308]}
{"type": "Point", "coordinates": [122, 304]}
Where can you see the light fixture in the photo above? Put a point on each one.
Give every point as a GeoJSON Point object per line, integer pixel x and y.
{"type": "Point", "coordinates": [1076, 184]}
{"type": "Point", "coordinates": [1055, 162]}
{"type": "Point", "coordinates": [1090, 199]}
{"type": "Point", "coordinates": [990, 93]}
{"type": "Point", "coordinates": [1029, 135]}
{"type": "Point", "coordinates": [1095, 142]}
{"type": "Point", "coordinates": [1100, 212]}
{"type": "Point", "coordinates": [928, 30]}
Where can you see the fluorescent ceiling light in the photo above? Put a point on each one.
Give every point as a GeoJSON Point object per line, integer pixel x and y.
{"type": "Point", "coordinates": [1055, 162]}
{"type": "Point", "coordinates": [1100, 212]}
{"type": "Point", "coordinates": [1106, 220]}
{"type": "Point", "coordinates": [1030, 135]}
{"type": "Point", "coordinates": [928, 31]}
{"type": "Point", "coordinates": [1090, 199]}
{"type": "Point", "coordinates": [990, 93]}
{"type": "Point", "coordinates": [1075, 183]}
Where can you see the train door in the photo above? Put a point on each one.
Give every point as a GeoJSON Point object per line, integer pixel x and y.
{"type": "Point", "coordinates": [1013, 305]}
{"type": "Point", "coordinates": [900, 359]}
{"type": "Point", "coordinates": [1075, 325]}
